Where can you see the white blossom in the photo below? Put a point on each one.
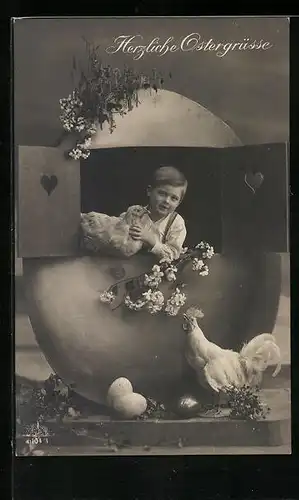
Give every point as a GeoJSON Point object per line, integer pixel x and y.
{"type": "Point", "coordinates": [197, 264]}
{"type": "Point", "coordinates": [107, 297]}
{"type": "Point", "coordinates": [171, 310]}
{"type": "Point", "coordinates": [79, 152]}
{"type": "Point", "coordinates": [175, 302]}
{"type": "Point", "coordinates": [79, 128]}
{"type": "Point", "coordinates": [154, 279]}
{"type": "Point", "coordinates": [85, 154]}
{"type": "Point", "coordinates": [210, 252]}
{"type": "Point", "coordinates": [75, 153]}
{"type": "Point", "coordinates": [147, 295]}
{"type": "Point", "coordinates": [154, 300]}
{"type": "Point", "coordinates": [170, 276]}
{"type": "Point", "coordinates": [170, 273]}
{"type": "Point", "coordinates": [134, 306]}
{"type": "Point", "coordinates": [91, 129]}
{"type": "Point", "coordinates": [67, 125]}
{"type": "Point", "coordinates": [204, 271]}
{"type": "Point", "coordinates": [201, 245]}
{"type": "Point", "coordinates": [87, 143]}
{"type": "Point", "coordinates": [73, 119]}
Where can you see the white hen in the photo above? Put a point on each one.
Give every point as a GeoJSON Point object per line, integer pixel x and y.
{"type": "Point", "coordinates": [224, 368]}
{"type": "Point", "coordinates": [109, 234]}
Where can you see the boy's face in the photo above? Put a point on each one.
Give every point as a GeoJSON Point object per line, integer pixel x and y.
{"type": "Point", "coordinates": [165, 199]}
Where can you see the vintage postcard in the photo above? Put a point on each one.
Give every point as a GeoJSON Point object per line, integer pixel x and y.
{"type": "Point", "coordinates": [152, 311]}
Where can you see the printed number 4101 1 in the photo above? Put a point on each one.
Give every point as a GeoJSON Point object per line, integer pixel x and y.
{"type": "Point", "coordinates": [37, 440]}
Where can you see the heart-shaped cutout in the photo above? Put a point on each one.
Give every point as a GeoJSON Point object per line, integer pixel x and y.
{"type": "Point", "coordinates": [49, 183]}
{"type": "Point", "coordinates": [254, 180]}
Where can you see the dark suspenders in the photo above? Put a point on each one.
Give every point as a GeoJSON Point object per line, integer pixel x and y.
{"type": "Point", "coordinates": [168, 225]}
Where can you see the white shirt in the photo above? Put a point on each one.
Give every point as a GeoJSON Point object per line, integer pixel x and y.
{"type": "Point", "coordinates": [174, 239]}
{"type": "Point", "coordinates": [176, 235]}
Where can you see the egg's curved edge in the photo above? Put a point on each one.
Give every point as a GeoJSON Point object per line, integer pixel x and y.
{"type": "Point", "coordinates": [227, 138]}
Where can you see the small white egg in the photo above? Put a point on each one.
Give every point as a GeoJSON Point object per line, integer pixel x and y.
{"type": "Point", "coordinates": [118, 388]}
{"type": "Point", "coordinates": [130, 405]}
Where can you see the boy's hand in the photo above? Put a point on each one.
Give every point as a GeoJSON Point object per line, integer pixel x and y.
{"type": "Point", "coordinates": [139, 233]}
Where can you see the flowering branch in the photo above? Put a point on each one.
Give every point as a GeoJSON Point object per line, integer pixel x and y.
{"type": "Point", "coordinates": [142, 292]}
{"type": "Point", "coordinates": [101, 93]}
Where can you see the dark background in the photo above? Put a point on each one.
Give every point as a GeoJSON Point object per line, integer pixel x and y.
{"type": "Point", "coordinates": [218, 207]}
{"type": "Point", "coordinates": [115, 178]}
{"type": "Point", "coordinates": [249, 90]}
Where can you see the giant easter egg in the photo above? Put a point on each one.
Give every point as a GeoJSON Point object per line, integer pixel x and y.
{"type": "Point", "coordinates": [90, 345]}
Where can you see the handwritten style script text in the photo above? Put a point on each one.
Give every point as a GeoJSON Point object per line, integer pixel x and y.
{"type": "Point", "coordinates": [134, 44]}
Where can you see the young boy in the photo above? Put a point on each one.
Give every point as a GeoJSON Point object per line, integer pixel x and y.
{"type": "Point", "coordinates": [165, 234]}
{"type": "Point", "coordinates": [157, 228]}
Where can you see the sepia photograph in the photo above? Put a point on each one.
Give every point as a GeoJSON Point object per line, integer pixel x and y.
{"type": "Point", "coordinates": [152, 280]}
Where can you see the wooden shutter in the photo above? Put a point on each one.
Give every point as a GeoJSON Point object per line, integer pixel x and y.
{"type": "Point", "coordinates": [255, 220]}
{"type": "Point", "coordinates": [48, 196]}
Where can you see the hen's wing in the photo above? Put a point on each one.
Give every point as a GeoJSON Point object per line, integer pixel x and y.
{"type": "Point", "coordinates": [102, 232]}
{"type": "Point", "coordinates": [97, 224]}
{"type": "Point", "coordinates": [224, 371]}
{"type": "Point", "coordinates": [214, 382]}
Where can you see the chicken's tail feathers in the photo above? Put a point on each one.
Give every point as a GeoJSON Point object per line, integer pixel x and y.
{"type": "Point", "coordinates": [254, 344]}
{"type": "Point", "coordinates": [268, 353]}
{"type": "Point", "coordinates": [278, 366]}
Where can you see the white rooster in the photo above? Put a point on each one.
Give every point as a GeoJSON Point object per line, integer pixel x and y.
{"type": "Point", "coordinates": [221, 369]}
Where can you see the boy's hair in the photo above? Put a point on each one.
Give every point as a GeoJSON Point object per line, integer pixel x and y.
{"type": "Point", "coordinates": [169, 175]}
